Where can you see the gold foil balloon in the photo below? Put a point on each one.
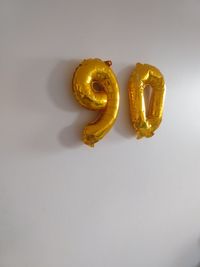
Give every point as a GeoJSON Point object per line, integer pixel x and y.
{"type": "Point", "coordinates": [145, 122]}
{"type": "Point", "coordinates": [95, 87]}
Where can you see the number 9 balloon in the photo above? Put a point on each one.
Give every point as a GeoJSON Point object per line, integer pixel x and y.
{"type": "Point", "coordinates": [146, 122]}
{"type": "Point", "coordinates": [95, 87]}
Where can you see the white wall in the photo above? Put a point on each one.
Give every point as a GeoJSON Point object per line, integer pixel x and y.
{"type": "Point", "coordinates": [125, 202]}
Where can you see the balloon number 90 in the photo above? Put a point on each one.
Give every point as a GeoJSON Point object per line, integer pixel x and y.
{"type": "Point", "coordinates": [95, 87]}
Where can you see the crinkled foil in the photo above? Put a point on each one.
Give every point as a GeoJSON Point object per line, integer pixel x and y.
{"type": "Point", "coordinates": [95, 87]}
{"type": "Point", "coordinates": [145, 122]}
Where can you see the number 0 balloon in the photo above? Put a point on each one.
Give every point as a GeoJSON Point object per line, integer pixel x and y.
{"type": "Point", "coordinates": [145, 122]}
{"type": "Point", "coordinates": [95, 87]}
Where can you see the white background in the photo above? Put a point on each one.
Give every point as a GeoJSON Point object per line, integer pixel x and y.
{"type": "Point", "coordinates": [126, 202]}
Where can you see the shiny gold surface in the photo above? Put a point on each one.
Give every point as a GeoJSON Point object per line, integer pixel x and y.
{"type": "Point", "coordinates": [145, 122]}
{"type": "Point", "coordinates": [95, 87]}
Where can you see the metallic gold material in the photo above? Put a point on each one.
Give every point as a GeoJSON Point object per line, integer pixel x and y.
{"type": "Point", "coordinates": [145, 122]}
{"type": "Point", "coordinates": [95, 87]}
